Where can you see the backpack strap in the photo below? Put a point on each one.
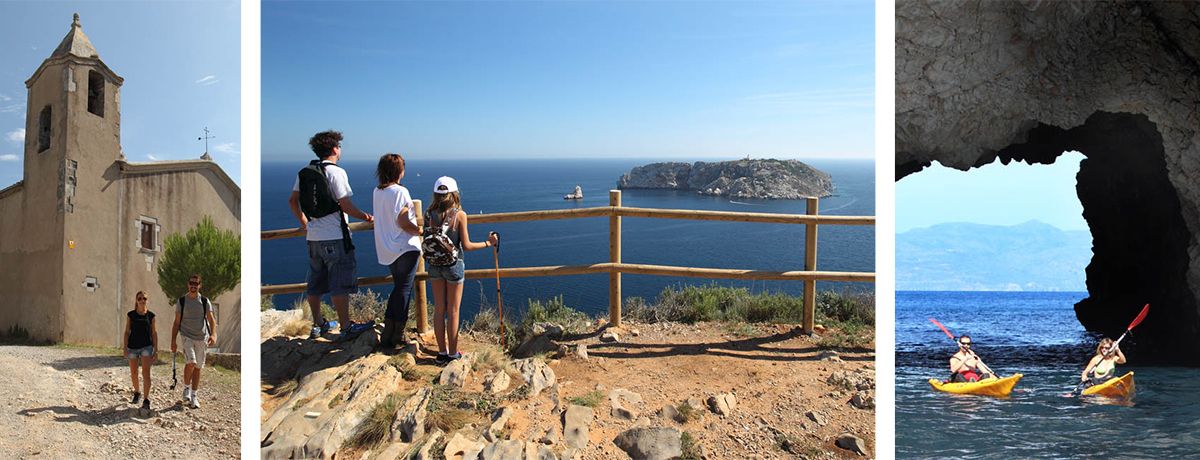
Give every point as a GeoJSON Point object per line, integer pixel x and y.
{"type": "Point", "coordinates": [347, 243]}
{"type": "Point", "coordinates": [207, 309]}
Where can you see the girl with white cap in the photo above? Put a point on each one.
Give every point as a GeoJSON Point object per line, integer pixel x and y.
{"type": "Point", "coordinates": [446, 222]}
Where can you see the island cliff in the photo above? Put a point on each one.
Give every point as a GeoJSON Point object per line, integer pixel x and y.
{"type": "Point", "coordinates": [761, 179]}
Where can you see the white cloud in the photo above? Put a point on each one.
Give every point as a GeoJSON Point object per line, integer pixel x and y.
{"type": "Point", "coordinates": [12, 108]}
{"type": "Point", "coordinates": [152, 157]}
{"type": "Point", "coordinates": [5, 98]}
{"type": "Point", "coordinates": [16, 136]}
{"type": "Point", "coordinates": [9, 157]}
{"type": "Point", "coordinates": [207, 80]}
{"type": "Point", "coordinates": [228, 147]}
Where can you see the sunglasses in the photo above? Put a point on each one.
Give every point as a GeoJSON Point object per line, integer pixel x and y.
{"type": "Point", "coordinates": [141, 299]}
{"type": "Point", "coordinates": [193, 283]}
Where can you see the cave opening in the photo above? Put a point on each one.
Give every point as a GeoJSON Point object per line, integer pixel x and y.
{"type": "Point", "coordinates": [1139, 238]}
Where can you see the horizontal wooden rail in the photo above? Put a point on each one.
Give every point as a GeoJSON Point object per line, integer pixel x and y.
{"type": "Point", "coordinates": [611, 211]}
{"type": "Point", "coordinates": [615, 268]}
{"type": "Point", "coordinates": [636, 269]}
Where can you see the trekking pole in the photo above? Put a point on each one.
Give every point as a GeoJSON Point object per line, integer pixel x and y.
{"type": "Point", "coordinates": [499, 299]}
{"type": "Point", "coordinates": [174, 381]}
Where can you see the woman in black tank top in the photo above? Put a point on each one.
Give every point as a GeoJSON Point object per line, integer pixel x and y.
{"type": "Point", "coordinates": [141, 346]}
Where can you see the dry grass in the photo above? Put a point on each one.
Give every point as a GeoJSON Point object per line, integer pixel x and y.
{"type": "Point", "coordinates": [592, 399]}
{"type": "Point", "coordinates": [297, 327]}
{"type": "Point", "coordinates": [408, 371]}
{"type": "Point", "coordinates": [285, 388]}
{"type": "Point", "coordinates": [490, 359]}
{"type": "Point", "coordinates": [376, 427]}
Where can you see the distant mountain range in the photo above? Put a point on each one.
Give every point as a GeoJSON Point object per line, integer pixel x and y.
{"type": "Point", "coordinates": [1032, 256]}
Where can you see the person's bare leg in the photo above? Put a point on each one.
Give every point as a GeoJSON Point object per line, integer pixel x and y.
{"type": "Point", "coordinates": [187, 373]}
{"type": "Point", "coordinates": [146, 362]}
{"type": "Point", "coordinates": [439, 313]}
{"type": "Point", "coordinates": [341, 303]}
{"type": "Point", "coordinates": [195, 378]}
{"type": "Point", "coordinates": [133, 373]}
{"type": "Point", "coordinates": [453, 301]}
{"type": "Point", "coordinates": [314, 304]}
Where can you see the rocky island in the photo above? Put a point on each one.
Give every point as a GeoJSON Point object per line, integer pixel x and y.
{"type": "Point", "coordinates": [761, 179]}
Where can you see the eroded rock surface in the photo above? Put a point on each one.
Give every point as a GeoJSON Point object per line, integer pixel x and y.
{"type": "Point", "coordinates": [979, 81]}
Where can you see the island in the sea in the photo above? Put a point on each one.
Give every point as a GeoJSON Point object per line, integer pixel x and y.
{"type": "Point", "coordinates": [766, 179]}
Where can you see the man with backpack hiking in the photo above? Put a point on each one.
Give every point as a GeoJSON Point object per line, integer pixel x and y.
{"type": "Point", "coordinates": [194, 320]}
{"type": "Point", "coordinates": [320, 200]}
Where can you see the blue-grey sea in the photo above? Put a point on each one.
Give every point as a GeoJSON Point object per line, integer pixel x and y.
{"type": "Point", "coordinates": [1036, 334]}
{"type": "Point", "coordinates": [523, 185]}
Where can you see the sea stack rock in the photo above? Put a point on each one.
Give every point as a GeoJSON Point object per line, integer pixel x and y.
{"type": "Point", "coordinates": [760, 179]}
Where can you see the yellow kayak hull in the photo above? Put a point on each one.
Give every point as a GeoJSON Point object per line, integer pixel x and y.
{"type": "Point", "coordinates": [1116, 387]}
{"type": "Point", "coordinates": [986, 387]}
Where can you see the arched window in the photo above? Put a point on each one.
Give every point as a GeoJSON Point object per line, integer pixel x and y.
{"type": "Point", "coordinates": [95, 93]}
{"type": "Point", "coordinates": [44, 130]}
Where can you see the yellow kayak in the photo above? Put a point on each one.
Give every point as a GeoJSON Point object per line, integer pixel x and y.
{"type": "Point", "coordinates": [1116, 387]}
{"type": "Point", "coordinates": [986, 387]}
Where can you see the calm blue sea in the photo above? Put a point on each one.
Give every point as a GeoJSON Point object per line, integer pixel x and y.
{"type": "Point", "coordinates": [523, 185]}
{"type": "Point", "coordinates": [1036, 334]}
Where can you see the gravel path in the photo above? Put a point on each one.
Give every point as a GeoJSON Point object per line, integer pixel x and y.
{"type": "Point", "coordinates": [60, 402]}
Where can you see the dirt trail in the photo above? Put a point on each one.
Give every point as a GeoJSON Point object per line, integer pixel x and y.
{"type": "Point", "coordinates": [74, 403]}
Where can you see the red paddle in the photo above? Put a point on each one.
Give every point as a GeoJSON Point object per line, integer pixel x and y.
{"type": "Point", "coordinates": [943, 328]}
{"type": "Point", "coordinates": [951, 336]}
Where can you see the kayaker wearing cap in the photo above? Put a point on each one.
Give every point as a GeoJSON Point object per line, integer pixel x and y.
{"type": "Point", "coordinates": [1103, 366]}
{"type": "Point", "coordinates": [965, 365]}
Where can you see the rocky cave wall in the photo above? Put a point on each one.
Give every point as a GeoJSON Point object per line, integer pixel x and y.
{"type": "Point", "coordinates": [1117, 81]}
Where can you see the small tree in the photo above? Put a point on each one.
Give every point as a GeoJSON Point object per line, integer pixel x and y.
{"type": "Point", "coordinates": [213, 253]}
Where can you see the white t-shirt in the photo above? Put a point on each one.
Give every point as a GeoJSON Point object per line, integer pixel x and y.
{"type": "Point", "coordinates": [391, 241]}
{"type": "Point", "coordinates": [328, 228]}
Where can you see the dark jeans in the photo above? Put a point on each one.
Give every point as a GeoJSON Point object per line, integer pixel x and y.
{"type": "Point", "coordinates": [403, 269]}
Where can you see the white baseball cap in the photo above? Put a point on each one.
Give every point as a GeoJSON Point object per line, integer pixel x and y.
{"type": "Point", "coordinates": [444, 185]}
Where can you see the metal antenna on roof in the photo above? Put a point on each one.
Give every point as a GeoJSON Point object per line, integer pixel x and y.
{"type": "Point", "coordinates": [206, 137]}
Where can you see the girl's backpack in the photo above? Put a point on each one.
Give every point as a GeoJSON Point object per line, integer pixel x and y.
{"type": "Point", "coordinates": [439, 250]}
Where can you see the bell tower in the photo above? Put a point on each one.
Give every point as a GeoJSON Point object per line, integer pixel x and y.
{"type": "Point", "coordinates": [73, 189]}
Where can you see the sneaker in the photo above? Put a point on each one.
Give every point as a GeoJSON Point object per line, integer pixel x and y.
{"type": "Point", "coordinates": [137, 397]}
{"type": "Point", "coordinates": [195, 401]}
{"type": "Point", "coordinates": [187, 394]}
{"type": "Point", "coordinates": [455, 356]}
{"type": "Point", "coordinates": [146, 404]}
{"type": "Point", "coordinates": [441, 359]}
{"type": "Point", "coordinates": [314, 333]}
{"type": "Point", "coordinates": [356, 329]}
{"type": "Point", "coordinates": [321, 329]}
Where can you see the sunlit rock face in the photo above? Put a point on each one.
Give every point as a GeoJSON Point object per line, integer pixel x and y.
{"type": "Point", "coordinates": [1119, 82]}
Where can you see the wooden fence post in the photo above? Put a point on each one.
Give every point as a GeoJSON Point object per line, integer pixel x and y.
{"type": "Point", "coordinates": [419, 301]}
{"type": "Point", "coordinates": [614, 256]}
{"type": "Point", "coordinates": [810, 264]}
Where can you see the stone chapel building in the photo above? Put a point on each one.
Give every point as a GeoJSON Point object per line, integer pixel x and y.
{"type": "Point", "coordinates": [83, 231]}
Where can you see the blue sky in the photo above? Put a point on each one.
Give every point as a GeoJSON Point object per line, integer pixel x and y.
{"type": "Point", "coordinates": [993, 194]}
{"type": "Point", "coordinates": [180, 61]}
{"type": "Point", "coordinates": [685, 80]}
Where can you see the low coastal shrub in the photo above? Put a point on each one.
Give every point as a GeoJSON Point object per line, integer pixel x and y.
{"type": "Point", "coordinates": [266, 302]}
{"type": "Point", "coordinates": [592, 399]}
{"type": "Point", "coordinates": [365, 305]}
{"type": "Point", "coordinates": [690, 304]}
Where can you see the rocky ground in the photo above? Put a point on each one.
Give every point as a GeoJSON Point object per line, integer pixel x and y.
{"type": "Point", "coordinates": [62, 402]}
{"type": "Point", "coordinates": [643, 391]}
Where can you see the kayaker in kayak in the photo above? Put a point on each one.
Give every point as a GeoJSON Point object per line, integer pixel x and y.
{"type": "Point", "coordinates": [965, 365]}
{"type": "Point", "coordinates": [1103, 365]}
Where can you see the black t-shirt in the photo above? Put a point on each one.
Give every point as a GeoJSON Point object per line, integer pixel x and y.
{"type": "Point", "coordinates": [139, 329]}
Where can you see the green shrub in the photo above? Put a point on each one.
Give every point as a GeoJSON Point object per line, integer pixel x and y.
{"type": "Point", "coordinates": [591, 399]}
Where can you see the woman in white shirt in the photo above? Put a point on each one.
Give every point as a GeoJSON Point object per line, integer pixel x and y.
{"type": "Point", "coordinates": [397, 243]}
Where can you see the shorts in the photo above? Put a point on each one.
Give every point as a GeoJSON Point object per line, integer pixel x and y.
{"type": "Point", "coordinates": [452, 274]}
{"type": "Point", "coordinates": [144, 352]}
{"type": "Point", "coordinates": [193, 351]}
{"type": "Point", "coordinates": [330, 269]}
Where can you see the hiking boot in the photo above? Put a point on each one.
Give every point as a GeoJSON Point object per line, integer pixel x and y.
{"type": "Point", "coordinates": [385, 339]}
{"type": "Point", "coordinates": [137, 397]}
{"type": "Point", "coordinates": [146, 404]}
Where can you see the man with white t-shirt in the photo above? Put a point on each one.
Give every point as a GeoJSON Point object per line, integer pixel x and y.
{"type": "Point", "coordinates": [320, 200]}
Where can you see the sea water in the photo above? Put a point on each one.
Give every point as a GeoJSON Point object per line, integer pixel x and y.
{"type": "Point", "coordinates": [1036, 334]}
{"type": "Point", "coordinates": [493, 186]}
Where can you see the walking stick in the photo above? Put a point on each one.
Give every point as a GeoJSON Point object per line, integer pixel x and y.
{"type": "Point", "coordinates": [499, 299]}
{"type": "Point", "coordinates": [174, 381]}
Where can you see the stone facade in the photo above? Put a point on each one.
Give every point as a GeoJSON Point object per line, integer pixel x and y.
{"type": "Point", "coordinates": [83, 231]}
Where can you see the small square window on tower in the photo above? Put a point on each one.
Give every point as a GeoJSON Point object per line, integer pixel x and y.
{"type": "Point", "coordinates": [148, 231]}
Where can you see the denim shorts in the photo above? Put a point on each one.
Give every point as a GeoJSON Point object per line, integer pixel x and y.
{"type": "Point", "coordinates": [452, 274]}
{"type": "Point", "coordinates": [331, 269]}
{"type": "Point", "coordinates": [135, 353]}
